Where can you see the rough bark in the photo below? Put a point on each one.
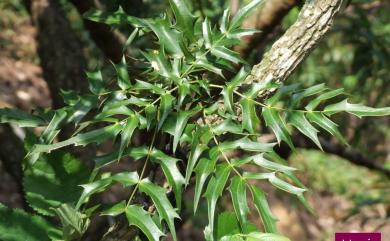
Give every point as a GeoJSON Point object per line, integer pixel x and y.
{"type": "Point", "coordinates": [297, 42]}
{"type": "Point", "coordinates": [59, 49]}
{"type": "Point", "coordinates": [265, 19]}
{"type": "Point", "coordinates": [107, 40]}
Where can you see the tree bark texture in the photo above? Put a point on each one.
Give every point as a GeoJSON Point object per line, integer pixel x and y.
{"type": "Point", "coordinates": [297, 42]}
{"type": "Point", "coordinates": [59, 49]}
{"type": "Point", "coordinates": [266, 18]}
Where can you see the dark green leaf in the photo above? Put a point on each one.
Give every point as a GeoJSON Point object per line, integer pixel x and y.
{"type": "Point", "coordinates": [122, 74]}
{"type": "Point", "coordinates": [74, 223]}
{"type": "Point", "coordinates": [325, 96]}
{"type": "Point", "coordinates": [207, 34]}
{"type": "Point", "coordinates": [163, 206]}
{"type": "Point", "coordinates": [184, 18]}
{"type": "Point", "coordinates": [237, 190]}
{"type": "Point", "coordinates": [356, 109]}
{"type": "Point", "coordinates": [250, 120]}
{"type": "Point", "coordinates": [96, 82]}
{"type": "Point", "coordinates": [21, 118]}
{"type": "Point", "coordinates": [214, 190]}
{"type": "Point", "coordinates": [275, 122]}
{"type": "Point", "coordinates": [17, 225]}
{"type": "Point", "coordinates": [204, 168]}
{"type": "Point", "coordinates": [243, 13]}
{"type": "Point", "coordinates": [166, 103]}
{"type": "Point", "coordinates": [115, 210]}
{"type": "Point", "coordinates": [52, 180]}
{"type": "Point", "coordinates": [299, 120]}
{"type": "Point", "coordinates": [225, 53]}
{"type": "Point", "coordinates": [261, 203]}
{"type": "Point", "coordinates": [227, 224]}
{"type": "Point", "coordinates": [127, 132]}
{"type": "Point", "coordinates": [142, 219]}
{"type": "Point", "coordinates": [326, 124]}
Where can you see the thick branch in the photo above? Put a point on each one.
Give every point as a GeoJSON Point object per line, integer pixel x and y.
{"type": "Point", "coordinates": [289, 51]}
{"type": "Point", "coordinates": [110, 42]}
{"type": "Point", "coordinates": [266, 18]}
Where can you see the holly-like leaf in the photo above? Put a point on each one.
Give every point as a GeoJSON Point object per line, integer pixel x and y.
{"type": "Point", "coordinates": [261, 161]}
{"type": "Point", "coordinates": [17, 225]}
{"type": "Point", "coordinates": [96, 136]}
{"type": "Point", "coordinates": [122, 74]}
{"type": "Point", "coordinates": [184, 18]}
{"type": "Point", "coordinates": [243, 13]}
{"type": "Point", "coordinates": [225, 53]}
{"type": "Point", "coordinates": [174, 177]}
{"type": "Point", "coordinates": [181, 122]}
{"type": "Point", "coordinates": [326, 124]}
{"type": "Point", "coordinates": [299, 121]}
{"type": "Point", "coordinates": [275, 122]}
{"type": "Point", "coordinates": [325, 96]}
{"type": "Point", "coordinates": [163, 206]}
{"type": "Point", "coordinates": [250, 120]}
{"type": "Point", "coordinates": [204, 168]}
{"type": "Point", "coordinates": [356, 109]}
{"type": "Point", "coordinates": [52, 180]}
{"type": "Point", "coordinates": [166, 103]}
{"type": "Point", "coordinates": [138, 217]}
{"type": "Point", "coordinates": [214, 190]}
{"type": "Point", "coordinates": [237, 190]}
{"type": "Point", "coordinates": [261, 203]}
{"type": "Point", "coordinates": [127, 132]}
{"type": "Point", "coordinates": [20, 118]}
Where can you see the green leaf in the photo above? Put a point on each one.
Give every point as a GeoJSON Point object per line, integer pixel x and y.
{"type": "Point", "coordinates": [214, 190]}
{"type": "Point", "coordinates": [326, 124]}
{"type": "Point", "coordinates": [239, 33]}
{"type": "Point", "coordinates": [166, 103]}
{"type": "Point", "coordinates": [325, 96]}
{"type": "Point", "coordinates": [115, 210]}
{"type": "Point", "coordinates": [159, 63]}
{"type": "Point", "coordinates": [275, 122]}
{"type": "Point", "coordinates": [261, 203]}
{"type": "Point", "coordinates": [163, 206]}
{"type": "Point", "coordinates": [227, 224]}
{"type": "Point", "coordinates": [21, 118]}
{"type": "Point", "coordinates": [113, 18]}
{"type": "Point", "coordinates": [130, 39]}
{"type": "Point", "coordinates": [82, 107]}
{"type": "Point", "coordinates": [184, 18]}
{"type": "Point", "coordinates": [127, 132]}
{"type": "Point", "coordinates": [237, 190]}
{"type": "Point", "coordinates": [137, 216]}
{"type": "Point", "coordinates": [228, 125]}
{"type": "Point", "coordinates": [200, 139]}
{"type": "Point", "coordinates": [299, 120]}
{"type": "Point", "coordinates": [55, 124]}
{"type": "Point", "coordinates": [96, 82]}
{"type": "Point", "coordinates": [356, 109]}
{"type": "Point", "coordinates": [92, 188]}
{"type": "Point", "coordinates": [126, 178]}
{"type": "Point", "coordinates": [52, 180]}
{"type": "Point", "coordinates": [202, 62]}
{"type": "Point", "coordinates": [17, 225]}
{"type": "Point", "coordinates": [96, 136]}
{"type": "Point", "coordinates": [297, 97]}
{"type": "Point", "coordinates": [247, 145]}
{"type": "Point", "coordinates": [273, 166]}
{"type": "Point", "coordinates": [122, 74]}
{"type": "Point", "coordinates": [168, 37]}
{"type": "Point", "coordinates": [204, 168]}
{"type": "Point", "coordinates": [256, 236]}
{"type": "Point", "coordinates": [250, 120]}
{"type": "Point", "coordinates": [174, 177]}
{"type": "Point", "coordinates": [207, 34]}
{"type": "Point", "coordinates": [74, 223]}
{"type": "Point", "coordinates": [225, 53]}
{"type": "Point", "coordinates": [225, 21]}
{"type": "Point", "coordinates": [181, 122]}
{"type": "Point", "coordinates": [243, 13]}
